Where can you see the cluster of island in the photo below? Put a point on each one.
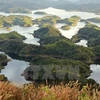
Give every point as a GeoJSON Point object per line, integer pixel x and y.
{"type": "Point", "coordinates": [54, 48]}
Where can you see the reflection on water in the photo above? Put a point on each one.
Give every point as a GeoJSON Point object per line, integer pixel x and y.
{"type": "Point", "coordinates": [96, 72]}
{"type": "Point", "coordinates": [82, 43]}
{"type": "Point", "coordinates": [14, 69]}
{"type": "Point", "coordinates": [72, 31]}
{"type": "Point", "coordinates": [25, 31]}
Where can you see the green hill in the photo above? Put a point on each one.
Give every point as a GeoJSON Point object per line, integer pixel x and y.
{"type": "Point", "coordinates": [11, 35]}
{"type": "Point", "coordinates": [49, 31]}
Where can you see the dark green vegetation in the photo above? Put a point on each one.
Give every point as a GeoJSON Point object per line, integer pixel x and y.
{"type": "Point", "coordinates": [65, 27]}
{"type": "Point", "coordinates": [11, 35]}
{"type": "Point", "coordinates": [72, 21]}
{"type": "Point", "coordinates": [95, 20]}
{"type": "Point", "coordinates": [44, 21]}
{"type": "Point", "coordinates": [3, 58]}
{"type": "Point", "coordinates": [3, 78]}
{"type": "Point", "coordinates": [8, 21]}
{"type": "Point", "coordinates": [3, 62]}
{"type": "Point", "coordinates": [56, 50]}
{"type": "Point", "coordinates": [65, 66]}
{"type": "Point", "coordinates": [40, 13]}
{"type": "Point", "coordinates": [61, 52]}
{"type": "Point", "coordinates": [92, 34]}
{"type": "Point", "coordinates": [52, 20]}
{"type": "Point", "coordinates": [49, 31]}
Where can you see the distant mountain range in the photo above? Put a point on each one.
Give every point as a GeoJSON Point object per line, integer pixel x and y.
{"type": "Point", "coordinates": [88, 1]}
{"type": "Point", "coordinates": [17, 5]}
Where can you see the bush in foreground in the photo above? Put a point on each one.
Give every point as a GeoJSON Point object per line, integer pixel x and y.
{"type": "Point", "coordinates": [70, 91]}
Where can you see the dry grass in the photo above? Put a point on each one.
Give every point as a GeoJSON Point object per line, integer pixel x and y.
{"type": "Point", "coordinates": [69, 91]}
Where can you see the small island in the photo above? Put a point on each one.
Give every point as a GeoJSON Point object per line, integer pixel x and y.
{"type": "Point", "coordinates": [21, 20]}
{"type": "Point", "coordinates": [72, 21]}
{"type": "Point", "coordinates": [90, 32]}
{"type": "Point", "coordinates": [48, 31]}
{"type": "Point", "coordinates": [65, 27]}
{"type": "Point", "coordinates": [40, 13]}
{"type": "Point", "coordinates": [95, 20]}
{"type": "Point", "coordinates": [47, 20]}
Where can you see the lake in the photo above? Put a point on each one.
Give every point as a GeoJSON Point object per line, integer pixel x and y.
{"type": "Point", "coordinates": [16, 67]}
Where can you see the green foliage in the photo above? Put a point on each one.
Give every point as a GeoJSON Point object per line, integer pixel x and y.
{"type": "Point", "coordinates": [3, 61]}
{"type": "Point", "coordinates": [11, 35]}
{"type": "Point", "coordinates": [91, 33]}
{"type": "Point", "coordinates": [72, 21]}
{"type": "Point", "coordinates": [48, 31]}
{"type": "Point", "coordinates": [65, 64]}
{"type": "Point", "coordinates": [51, 39]}
{"type": "Point", "coordinates": [66, 49]}
{"type": "Point", "coordinates": [51, 20]}
{"type": "Point", "coordinates": [97, 51]}
{"type": "Point", "coordinates": [3, 78]}
{"type": "Point", "coordinates": [13, 46]}
{"type": "Point", "coordinates": [8, 21]}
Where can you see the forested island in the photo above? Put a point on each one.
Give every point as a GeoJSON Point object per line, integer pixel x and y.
{"type": "Point", "coordinates": [91, 33]}
{"type": "Point", "coordinates": [65, 27]}
{"type": "Point", "coordinates": [53, 19]}
{"type": "Point", "coordinates": [8, 21]}
{"type": "Point", "coordinates": [44, 21]}
{"type": "Point", "coordinates": [40, 13]}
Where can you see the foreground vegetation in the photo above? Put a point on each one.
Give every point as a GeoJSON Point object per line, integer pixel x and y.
{"type": "Point", "coordinates": [70, 91]}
